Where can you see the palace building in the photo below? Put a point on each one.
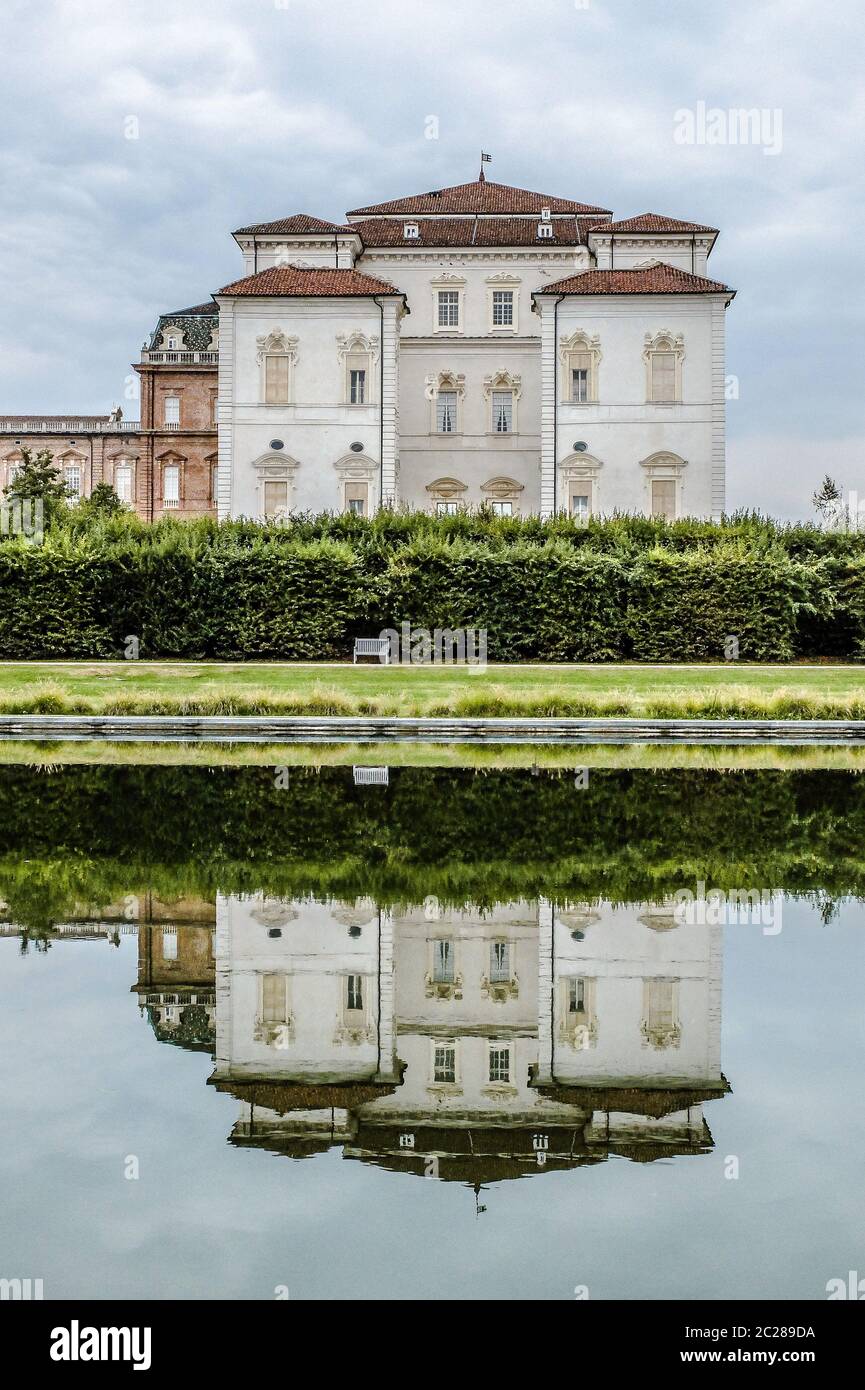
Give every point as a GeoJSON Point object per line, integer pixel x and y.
{"type": "Point", "coordinates": [479, 344]}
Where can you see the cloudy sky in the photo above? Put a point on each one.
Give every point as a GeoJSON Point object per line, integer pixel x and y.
{"type": "Point", "coordinates": [249, 110]}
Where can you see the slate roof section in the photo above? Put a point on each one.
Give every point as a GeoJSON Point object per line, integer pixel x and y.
{"type": "Point", "coordinates": [654, 279]}
{"type": "Point", "coordinates": [479, 196]}
{"type": "Point", "coordinates": [293, 281]}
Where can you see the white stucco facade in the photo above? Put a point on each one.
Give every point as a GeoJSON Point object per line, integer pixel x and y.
{"type": "Point", "coordinates": [507, 1037]}
{"type": "Point", "coordinates": [526, 353]}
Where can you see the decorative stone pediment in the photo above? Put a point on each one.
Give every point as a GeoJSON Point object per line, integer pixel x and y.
{"type": "Point", "coordinates": [500, 991]}
{"type": "Point", "coordinates": [274, 913]}
{"type": "Point", "coordinates": [503, 380]}
{"type": "Point", "coordinates": [502, 489]}
{"type": "Point", "coordinates": [347, 343]}
{"type": "Point", "coordinates": [443, 989]}
{"type": "Point", "coordinates": [276, 342]}
{"type": "Point", "coordinates": [580, 467]}
{"type": "Point", "coordinates": [444, 381]}
{"type": "Point", "coordinates": [664, 464]}
{"type": "Point", "coordinates": [580, 342]}
{"type": "Point", "coordinates": [664, 341]}
{"type": "Point", "coordinates": [274, 465]}
{"type": "Point", "coordinates": [446, 489]}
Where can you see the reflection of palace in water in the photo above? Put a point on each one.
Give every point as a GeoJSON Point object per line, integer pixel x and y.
{"type": "Point", "coordinates": [470, 1045]}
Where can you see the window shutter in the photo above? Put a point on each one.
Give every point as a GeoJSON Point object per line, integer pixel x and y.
{"type": "Point", "coordinates": [275, 379]}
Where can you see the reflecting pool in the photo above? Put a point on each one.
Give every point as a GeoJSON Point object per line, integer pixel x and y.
{"type": "Point", "coordinates": [474, 1033]}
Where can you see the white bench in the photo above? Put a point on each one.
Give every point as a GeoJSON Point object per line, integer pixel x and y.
{"type": "Point", "coordinates": [370, 776]}
{"type": "Point", "coordinates": [379, 647]}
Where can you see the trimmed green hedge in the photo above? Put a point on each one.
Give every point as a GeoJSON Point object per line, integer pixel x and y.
{"type": "Point", "coordinates": [240, 591]}
{"type": "Point", "coordinates": [86, 834]}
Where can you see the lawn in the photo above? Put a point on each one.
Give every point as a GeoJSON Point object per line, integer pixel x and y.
{"type": "Point", "coordinates": [138, 687]}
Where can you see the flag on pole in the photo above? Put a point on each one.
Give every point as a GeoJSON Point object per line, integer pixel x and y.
{"type": "Point", "coordinates": [486, 158]}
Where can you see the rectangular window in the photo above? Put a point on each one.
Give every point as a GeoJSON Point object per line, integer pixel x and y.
{"type": "Point", "coordinates": [275, 498]}
{"type": "Point", "coordinates": [502, 508]}
{"type": "Point", "coordinates": [664, 498]}
{"type": "Point", "coordinates": [663, 376]}
{"type": "Point", "coordinates": [445, 1063]}
{"type": "Point", "coordinates": [503, 308]}
{"type": "Point", "coordinates": [214, 483]}
{"type": "Point", "coordinates": [357, 498]}
{"type": "Point", "coordinates": [443, 962]}
{"type": "Point", "coordinates": [354, 992]}
{"type": "Point", "coordinates": [447, 508]}
{"type": "Point", "coordinates": [576, 996]}
{"type": "Point", "coordinates": [215, 411]}
{"type": "Point", "coordinates": [273, 999]}
{"type": "Point", "coordinates": [500, 961]}
{"type": "Point", "coordinates": [580, 366]}
{"type": "Point", "coordinates": [169, 944]}
{"type": "Point", "coordinates": [500, 1062]}
{"type": "Point", "coordinates": [660, 1004]}
{"type": "Point", "coordinates": [275, 379]}
{"type": "Point", "coordinates": [580, 506]}
{"type": "Point", "coordinates": [72, 479]}
{"type": "Point", "coordinates": [172, 410]}
{"type": "Point", "coordinates": [357, 387]}
{"type": "Point", "coordinates": [503, 411]}
{"type": "Point", "coordinates": [123, 481]}
{"type": "Point", "coordinates": [448, 308]}
{"type": "Point", "coordinates": [446, 412]}
{"type": "Point", "coordinates": [171, 486]}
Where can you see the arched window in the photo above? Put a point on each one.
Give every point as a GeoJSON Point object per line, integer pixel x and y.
{"type": "Point", "coordinates": [447, 495]}
{"type": "Point", "coordinates": [357, 356]}
{"type": "Point", "coordinates": [123, 478]}
{"type": "Point", "coordinates": [446, 392]}
{"type": "Point", "coordinates": [502, 495]}
{"type": "Point", "coordinates": [664, 485]}
{"type": "Point", "coordinates": [502, 391]}
{"type": "Point", "coordinates": [580, 357]}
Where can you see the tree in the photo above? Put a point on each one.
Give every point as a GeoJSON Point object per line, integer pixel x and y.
{"type": "Point", "coordinates": [103, 501]}
{"type": "Point", "coordinates": [37, 479]}
{"type": "Point", "coordinates": [829, 501]}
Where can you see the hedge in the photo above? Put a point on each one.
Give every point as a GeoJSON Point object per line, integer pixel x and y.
{"type": "Point", "coordinates": [240, 591]}
{"type": "Point", "coordinates": [77, 834]}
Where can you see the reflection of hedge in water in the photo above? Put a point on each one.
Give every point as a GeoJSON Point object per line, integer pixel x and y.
{"type": "Point", "coordinates": [96, 833]}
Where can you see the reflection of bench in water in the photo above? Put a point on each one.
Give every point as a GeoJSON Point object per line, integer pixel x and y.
{"type": "Point", "coordinates": [377, 647]}
{"type": "Point", "coordinates": [370, 776]}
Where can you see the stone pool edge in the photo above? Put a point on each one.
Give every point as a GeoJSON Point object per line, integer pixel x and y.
{"type": "Point", "coordinates": [363, 728]}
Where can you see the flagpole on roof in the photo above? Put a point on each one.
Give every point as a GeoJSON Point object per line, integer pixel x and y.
{"type": "Point", "coordinates": [485, 159]}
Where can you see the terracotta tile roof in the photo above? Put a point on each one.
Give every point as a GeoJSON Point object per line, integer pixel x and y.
{"type": "Point", "coordinates": [290, 280]}
{"type": "Point", "coordinates": [654, 279]}
{"type": "Point", "coordinates": [470, 231]}
{"type": "Point", "coordinates": [301, 224]}
{"type": "Point", "coordinates": [479, 196]}
{"type": "Point", "coordinates": [523, 231]}
{"type": "Point", "coordinates": [652, 222]}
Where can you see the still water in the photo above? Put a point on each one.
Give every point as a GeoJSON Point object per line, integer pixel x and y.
{"type": "Point", "coordinates": [452, 1035]}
